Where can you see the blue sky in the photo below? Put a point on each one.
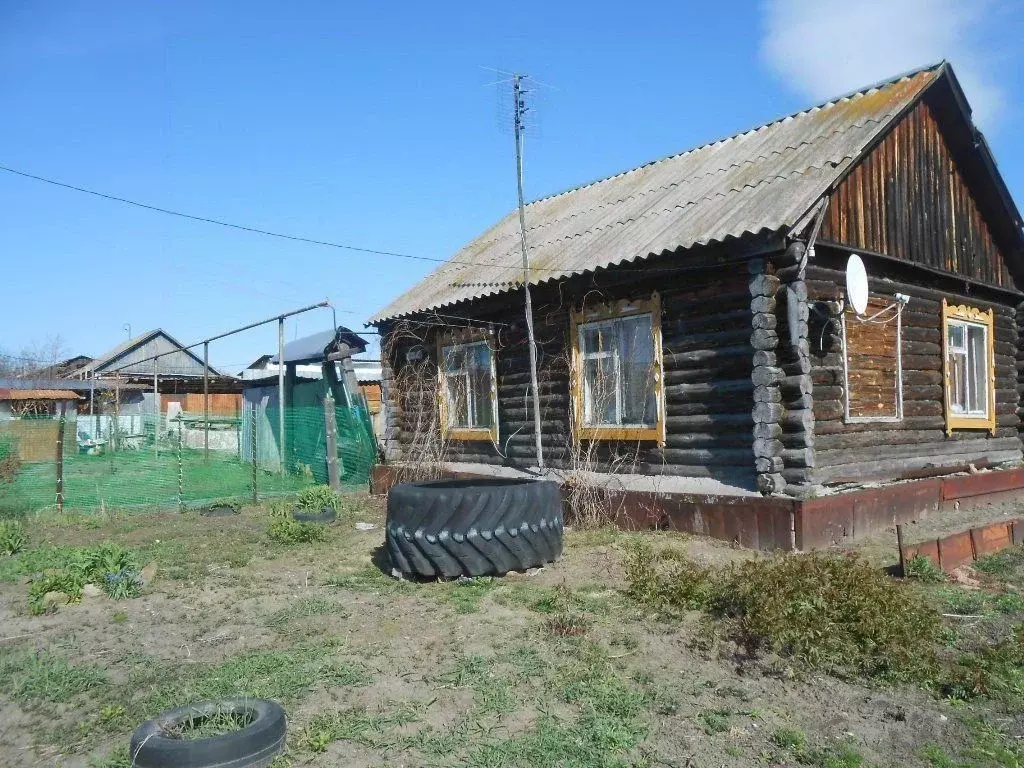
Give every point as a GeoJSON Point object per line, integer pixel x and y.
{"type": "Point", "coordinates": [374, 124]}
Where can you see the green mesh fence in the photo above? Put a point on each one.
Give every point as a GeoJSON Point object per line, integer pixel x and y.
{"type": "Point", "coordinates": [135, 460]}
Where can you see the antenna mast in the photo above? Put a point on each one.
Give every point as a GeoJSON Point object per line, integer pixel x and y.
{"type": "Point", "coordinates": [519, 109]}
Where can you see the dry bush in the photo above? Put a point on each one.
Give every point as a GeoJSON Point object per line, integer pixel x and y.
{"type": "Point", "coordinates": [424, 449]}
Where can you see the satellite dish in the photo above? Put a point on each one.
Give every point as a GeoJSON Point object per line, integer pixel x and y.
{"type": "Point", "coordinates": [856, 284]}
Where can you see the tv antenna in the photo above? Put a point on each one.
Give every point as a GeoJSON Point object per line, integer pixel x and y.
{"type": "Point", "coordinates": [519, 110]}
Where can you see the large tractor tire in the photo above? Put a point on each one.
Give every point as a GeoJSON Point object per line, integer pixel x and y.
{"type": "Point", "coordinates": [481, 527]}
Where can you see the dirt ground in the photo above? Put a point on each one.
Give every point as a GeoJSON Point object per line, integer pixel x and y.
{"type": "Point", "coordinates": [374, 671]}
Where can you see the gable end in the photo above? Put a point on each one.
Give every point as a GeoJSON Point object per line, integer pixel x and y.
{"type": "Point", "coordinates": [914, 197]}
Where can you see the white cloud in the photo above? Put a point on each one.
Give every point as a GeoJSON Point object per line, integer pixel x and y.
{"type": "Point", "coordinates": [823, 48]}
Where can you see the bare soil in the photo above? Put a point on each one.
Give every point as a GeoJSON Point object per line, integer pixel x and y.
{"type": "Point", "coordinates": [473, 666]}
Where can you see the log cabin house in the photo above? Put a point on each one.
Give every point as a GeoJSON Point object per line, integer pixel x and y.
{"type": "Point", "coordinates": [692, 322]}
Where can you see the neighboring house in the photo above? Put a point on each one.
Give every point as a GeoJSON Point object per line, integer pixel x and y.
{"type": "Point", "coordinates": [179, 374]}
{"type": "Point", "coordinates": [685, 328]}
{"type": "Point", "coordinates": [133, 360]}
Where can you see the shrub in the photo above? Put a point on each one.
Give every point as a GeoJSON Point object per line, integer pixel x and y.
{"type": "Point", "coordinates": [317, 497]}
{"type": "Point", "coordinates": [922, 568]}
{"type": "Point", "coordinates": [826, 610]}
{"type": "Point", "coordinates": [122, 584]}
{"type": "Point", "coordinates": [12, 537]}
{"type": "Point", "coordinates": [666, 579]}
{"type": "Point", "coordinates": [287, 530]}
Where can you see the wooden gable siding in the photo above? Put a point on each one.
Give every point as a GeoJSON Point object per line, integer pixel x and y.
{"type": "Point", "coordinates": [908, 199]}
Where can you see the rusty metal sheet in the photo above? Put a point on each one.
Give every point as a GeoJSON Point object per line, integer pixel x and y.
{"type": "Point", "coordinates": [982, 483]}
{"type": "Point", "coordinates": [760, 181]}
{"type": "Point", "coordinates": [955, 550]}
{"type": "Point", "coordinates": [824, 522]}
{"type": "Point", "coordinates": [1017, 530]}
{"type": "Point", "coordinates": [991, 539]}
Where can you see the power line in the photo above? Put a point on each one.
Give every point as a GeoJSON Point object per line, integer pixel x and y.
{"type": "Point", "coordinates": [218, 222]}
{"type": "Point", "coordinates": [314, 241]}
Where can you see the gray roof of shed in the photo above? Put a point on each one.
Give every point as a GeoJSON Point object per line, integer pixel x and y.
{"type": "Point", "coordinates": [761, 181]}
{"type": "Point", "coordinates": [313, 348]}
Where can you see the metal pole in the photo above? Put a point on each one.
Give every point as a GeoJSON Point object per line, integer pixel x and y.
{"type": "Point", "coordinates": [60, 457]}
{"type": "Point", "coordinates": [181, 471]}
{"type": "Point", "coordinates": [227, 333]}
{"type": "Point", "coordinates": [252, 448]}
{"type": "Point", "coordinates": [519, 109]}
{"type": "Point", "coordinates": [280, 387]}
{"type": "Point", "coordinates": [156, 411]}
{"type": "Point", "coordinates": [331, 434]}
{"type": "Point", "coordinates": [206, 401]}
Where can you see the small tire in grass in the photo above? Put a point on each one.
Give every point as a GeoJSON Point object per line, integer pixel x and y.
{"type": "Point", "coordinates": [325, 515]}
{"type": "Point", "coordinates": [479, 527]}
{"type": "Point", "coordinates": [163, 743]}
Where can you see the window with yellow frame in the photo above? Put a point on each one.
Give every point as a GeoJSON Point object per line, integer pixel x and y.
{"type": "Point", "coordinates": [968, 368]}
{"type": "Point", "coordinates": [467, 387]}
{"type": "Point", "coordinates": [617, 381]}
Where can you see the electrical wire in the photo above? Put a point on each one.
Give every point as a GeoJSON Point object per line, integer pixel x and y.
{"type": "Point", "coordinates": [312, 240]}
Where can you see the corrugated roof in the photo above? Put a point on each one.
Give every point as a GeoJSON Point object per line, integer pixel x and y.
{"type": "Point", "coordinates": [763, 180]}
{"type": "Point", "coordinates": [122, 350]}
{"type": "Point", "coordinates": [38, 394]}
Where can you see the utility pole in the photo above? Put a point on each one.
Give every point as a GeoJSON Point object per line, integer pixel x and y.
{"type": "Point", "coordinates": [519, 109]}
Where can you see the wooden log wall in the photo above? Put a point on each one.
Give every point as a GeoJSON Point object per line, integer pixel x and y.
{"type": "Point", "coordinates": [708, 385]}
{"type": "Point", "coordinates": [796, 428]}
{"type": "Point", "coordinates": [1020, 370]}
{"type": "Point", "coordinates": [847, 452]}
{"type": "Point", "coordinates": [766, 377]}
{"type": "Point", "coordinates": [708, 362]}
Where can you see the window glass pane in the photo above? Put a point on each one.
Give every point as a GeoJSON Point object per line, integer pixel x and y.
{"type": "Point", "coordinates": [599, 391]}
{"type": "Point", "coordinates": [458, 402]}
{"type": "Point", "coordinates": [636, 361]}
{"type": "Point", "coordinates": [955, 332]}
{"type": "Point", "coordinates": [977, 389]}
{"type": "Point", "coordinates": [591, 339]}
{"type": "Point", "coordinates": [957, 382]}
{"type": "Point", "coordinates": [480, 386]}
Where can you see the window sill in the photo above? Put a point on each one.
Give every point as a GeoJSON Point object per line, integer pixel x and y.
{"type": "Point", "coordinates": [619, 433]}
{"type": "Point", "coordinates": [970, 422]}
{"type": "Point", "coordinates": [470, 433]}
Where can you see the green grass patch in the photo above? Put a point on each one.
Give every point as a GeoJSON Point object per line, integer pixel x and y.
{"type": "Point", "coordinates": [279, 675]}
{"type": "Point", "coordinates": [923, 569]}
{"type": "Point", "coordinates": [369, 579]}
{"type": "Point", "coordinates": [47, 676]}
{"type": "Point", "coordinates": [1007, 565]}
{"type": "Point", "coordinates": [302, 609]}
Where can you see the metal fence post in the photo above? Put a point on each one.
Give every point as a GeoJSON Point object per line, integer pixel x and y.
{"type": "Point", "coordinates": [331, 424]}
{"type": "Point", "coordinates": [252, 447]}
{"type": "Point", "coordinates": [181, 472]}
{"type": "Point", "coordinates": [60, 457]}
